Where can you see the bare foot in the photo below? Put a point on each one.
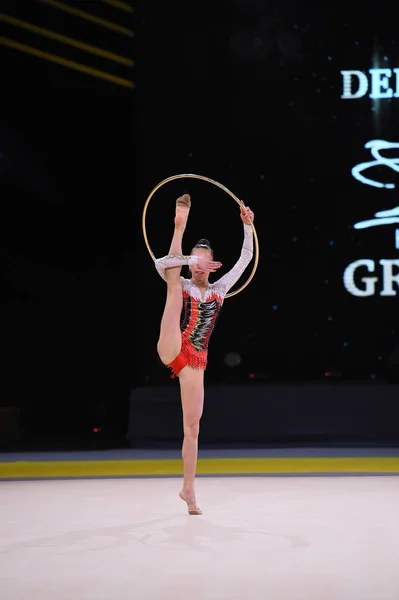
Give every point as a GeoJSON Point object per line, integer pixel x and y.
{"type": "Point", "coordinates": [183, 205]}
{"type": "Point", "coordinates": [193, 509]}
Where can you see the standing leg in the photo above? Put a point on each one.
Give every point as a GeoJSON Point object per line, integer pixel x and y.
{"type": "Point", "coordinates": [192, 396]}
{"type": "Point", "coordinates": [169, 343]}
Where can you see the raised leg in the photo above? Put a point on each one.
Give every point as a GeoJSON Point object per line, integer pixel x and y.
{"type": "Point", "coordinates": [192, 397]}
{"type": "Point", "coordinates": [169, 343]}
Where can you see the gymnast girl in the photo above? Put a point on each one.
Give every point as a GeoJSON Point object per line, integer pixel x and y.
{"type": "Point", "coordinates": [191, 309]}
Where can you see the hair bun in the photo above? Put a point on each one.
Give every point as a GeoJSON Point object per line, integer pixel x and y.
{"type": "Point", "coordinates": [203, 242]}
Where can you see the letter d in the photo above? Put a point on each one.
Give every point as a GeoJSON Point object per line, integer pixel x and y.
{"type": "Point", "coordinates": [347, 84]}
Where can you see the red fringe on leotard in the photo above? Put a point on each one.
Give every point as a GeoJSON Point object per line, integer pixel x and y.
{"type": "Point", "coordinates": [188, 356]}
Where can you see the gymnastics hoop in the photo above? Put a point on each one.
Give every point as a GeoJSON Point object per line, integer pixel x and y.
{"type": "Point", "coordinates": [222, 187]}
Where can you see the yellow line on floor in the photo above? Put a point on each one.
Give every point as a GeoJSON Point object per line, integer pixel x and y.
{"type": "Point", "coordinates": [206, 466]}
{"type": "Point", "coordinates": [66, 40]}
{"type": "Point", "coordinates": [65, 63]}
{"type": "Point", "coordinates": [88, 17]}
{"type": "Point", "coordinates": [120, 5]}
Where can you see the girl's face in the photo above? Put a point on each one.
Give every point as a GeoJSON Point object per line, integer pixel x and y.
{"type": "Point", "coordinates": [200, 277]}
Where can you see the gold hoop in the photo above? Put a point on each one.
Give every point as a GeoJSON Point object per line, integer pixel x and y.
{"type": "Point", "coordinates": [192, 176]}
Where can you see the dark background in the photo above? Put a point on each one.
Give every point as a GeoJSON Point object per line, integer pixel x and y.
{"type": "Point", "coordinates": [249, 93]}
{"type": "Point", "coordinates": [245, 92]}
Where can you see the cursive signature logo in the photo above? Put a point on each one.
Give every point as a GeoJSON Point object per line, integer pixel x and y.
{"type": "Point", "coordinates": [383, 217]}
{"type": "Point", "coordinates": [363, 286]}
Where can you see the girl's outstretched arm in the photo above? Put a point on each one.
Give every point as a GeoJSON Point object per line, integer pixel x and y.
{"type": "Point", "coordinates": [225, 283]}
{"type": "Point", "coordinates": [173, 260]}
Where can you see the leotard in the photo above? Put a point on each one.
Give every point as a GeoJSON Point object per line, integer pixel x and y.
{"type": "Point", "coordinates": [200, 311]}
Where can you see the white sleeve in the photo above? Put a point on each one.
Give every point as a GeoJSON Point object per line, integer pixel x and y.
{"type": "Point", "coordinates": [225, 283]}
{"type": "Point", "coordinates": [173, 260]}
